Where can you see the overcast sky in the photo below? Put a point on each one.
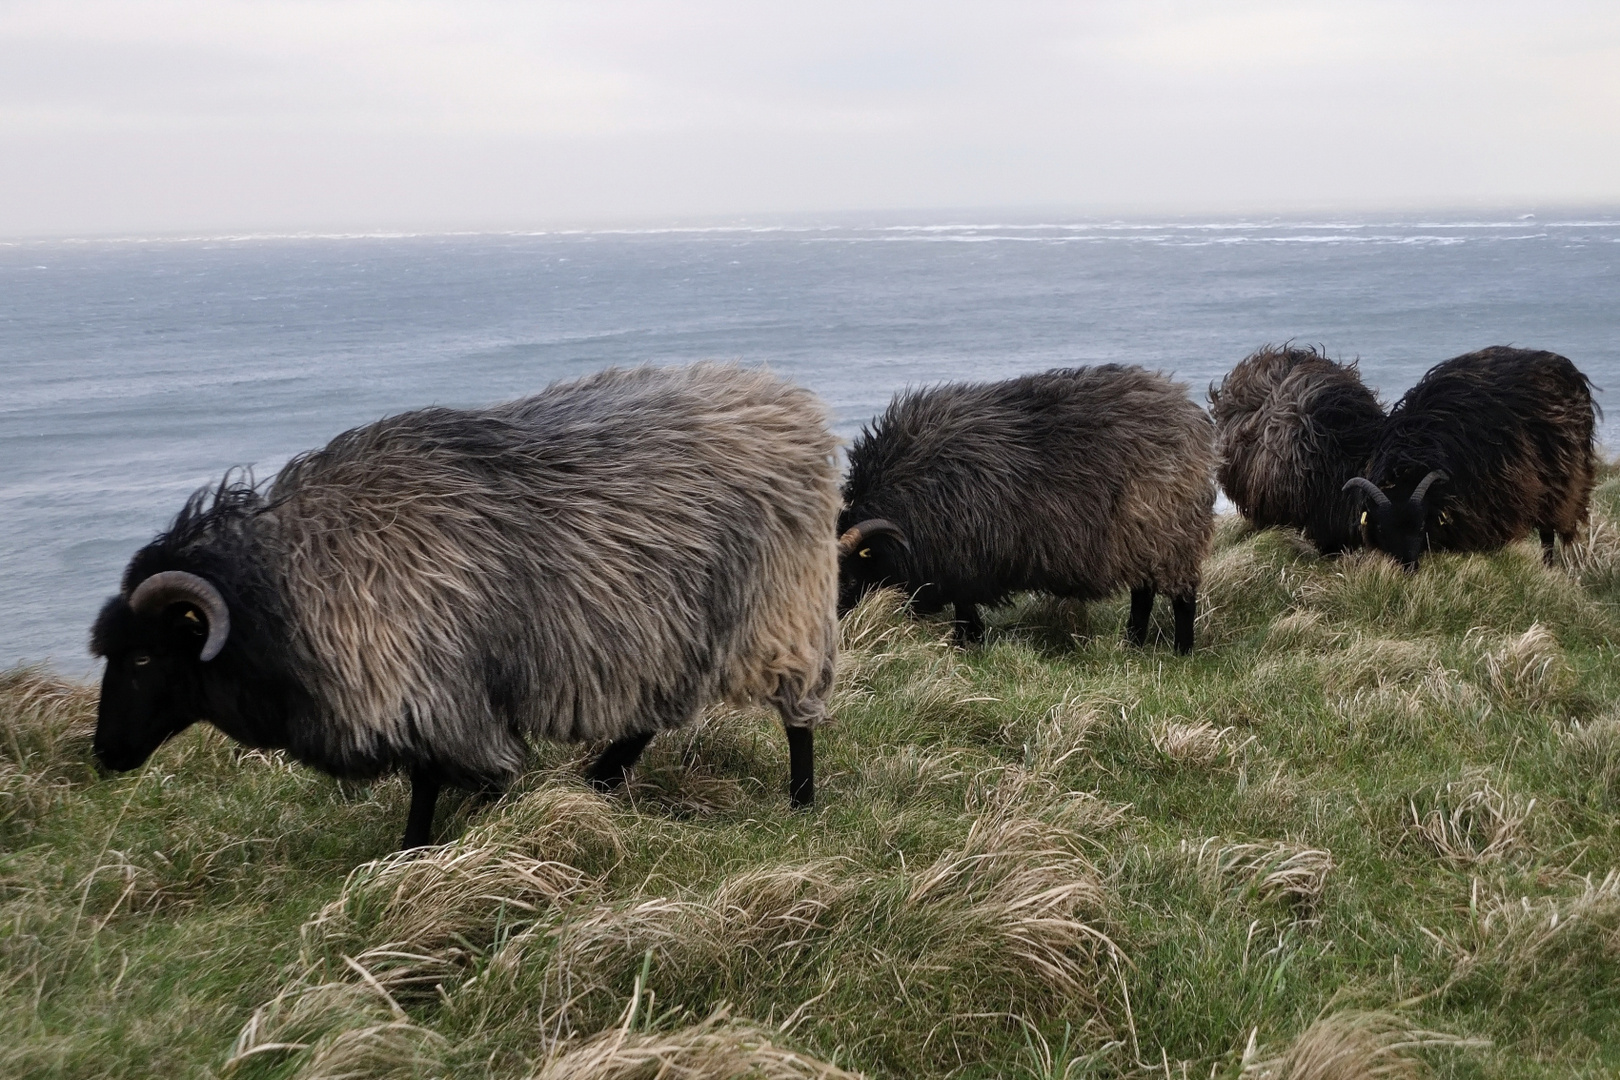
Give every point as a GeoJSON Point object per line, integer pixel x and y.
{"type": "Point", "coordinates": [143, 116]}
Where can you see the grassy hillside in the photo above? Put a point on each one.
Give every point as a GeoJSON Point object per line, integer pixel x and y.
{"type": "Point", "coordinates": [1370, 825]}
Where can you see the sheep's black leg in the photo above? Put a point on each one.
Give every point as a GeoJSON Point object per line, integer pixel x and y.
{"type": "Point", "coordinates": [1546, 545]}
{"type": "Point", "coordinates": [1185, 608]}
{"type": "Point", "coordinates": [424, 796]}
{"type": "Point", "coordinates": [1141, 614]}
{"type": "Point", "coordinates": [802, 763]}
{"type": "Point", "coordinates": [969, 627]}
{"type": "Point", "coordinates": [607, 772]}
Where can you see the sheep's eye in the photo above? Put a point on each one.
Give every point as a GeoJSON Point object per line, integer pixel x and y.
{"type": "Point", "coordinates": [1364, 517]}
{"type": "Point", "coordinates": [142, 661]}
{"type": "Point", "coordinates": [866, 553]}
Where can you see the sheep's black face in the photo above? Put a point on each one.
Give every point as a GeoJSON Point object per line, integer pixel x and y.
{"type": "Point", "coordinates": [150, 690]}
{"type": "Point", "coordinates": [878, 563]}
{"type": "Point", "coordinates": [1400, 530]}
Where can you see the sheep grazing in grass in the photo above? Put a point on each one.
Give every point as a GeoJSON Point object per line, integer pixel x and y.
{"type": "Point", "coordinates": [1485, 448]}
{"type": "Point", "coordinates": [596, 562]}
{"type": "Point", "coordinates": [1291, 426]}
{"type": "Point", "coordinates": [1077, 482]}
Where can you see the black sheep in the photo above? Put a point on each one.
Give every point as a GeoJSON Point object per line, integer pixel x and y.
{"type": "Point", "coordinates": [1484, 449]}
{"type": "Point", "coordinates": [1076, 482]}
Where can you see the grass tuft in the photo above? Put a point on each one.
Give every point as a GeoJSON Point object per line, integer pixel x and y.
{"type": "Point", "coordinates": [414, 918]}
{"type": "Point", "coordinates": [334, 1029]}
{"type": "Point", "coordinates": [1194, 744]}
{"type": "Point", "coordinates": [1470, 823]}
{"type": "Point", "coordinates": [718, 1048]}
{"type": "Point", "coordinates": [1529, 669]}
{"type": "Point", "coordinates": [1282, 872]}
{"type": "Point", "coordinates": [1536, 962]}
{"type": "Point", "coordinates": [45, 729]}
{"type": "Point", "coordinates": [1355, 1046]}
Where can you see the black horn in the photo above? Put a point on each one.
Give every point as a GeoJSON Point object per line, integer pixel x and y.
{"type": "Point", "coordinates": [178, 587]}
{"type": "Point", "coordinates": [1438, 476]}
{"type": "Point", "coordinates": [1371, 489]}
{"type": "Point", "coordinates": [858, 534]}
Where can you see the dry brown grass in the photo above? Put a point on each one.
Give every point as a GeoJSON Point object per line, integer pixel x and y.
{"type": "Point", "coordinates": [1233, 580]}
{"type": "Point", "coordinates": [1290, 873]}
{"type": "Point", "coordinates": [1302, 630]}
{"type": "Point", "coordinates": [339, 1030]}
{"type": "Point", "coordinates": [1196, 744]}
{"type": "Point", "coordinates": [45, 727]}
{"type": "Point", "coordinates": [909, 663]}
{"type": "Point", "coordinates": [1065, 730]}
{"type": "Point", "coordinates": [719, 1048]}
{"type": "Point", "coordinates": [1393, 677]}
{"type": "Point", "coordinates": [392, 1050]}
{"type": "Point", "coordinates": [1471, 823]}
{"type": "Point", "coordinates": [1353, 1046]}
{"type": "Point", "coordinates": [1527, 669]}
{"type": "Point", "coordinates": [760, 910]}
{"type": "Point", "coordinates": [1012, 918]}
{"type": "Point", "coordinates": [876, 635]}
{"type": "Point", "coordinates": [905, 771]}
{"type": "Point", "coordinates": [563, 822]}
{"type": "Point", "coordinates": [1017, 882]}
{"type": "Point", "coordinates": [412, 920]}
{"type": "Point", "coordinates": [1526, 949]}
{"type": "Point", "coordinates": [1595, 556]}
{"type": "Point", "coordinates": [1379, 663]}
{"type": "Point", "coordinates": [1591, 751]}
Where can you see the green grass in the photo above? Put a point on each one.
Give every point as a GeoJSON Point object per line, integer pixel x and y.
{"type": "Point", "coordinates": [1369, 828]}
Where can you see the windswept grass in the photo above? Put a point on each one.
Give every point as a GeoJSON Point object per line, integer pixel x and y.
{"type": "Point", "coordinates": [1368, 829]}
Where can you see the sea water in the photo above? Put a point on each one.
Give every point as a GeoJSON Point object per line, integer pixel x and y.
{"type": "Point", "coordinates": [135, 371]}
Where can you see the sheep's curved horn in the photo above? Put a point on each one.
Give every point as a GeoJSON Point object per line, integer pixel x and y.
{"type": "Point", "coordinates": [1438, 476]}
{"type": "Point", "coordinates": [858, 534]}
{"type": "Point", "coordinates": [1367, 486]}
{"type": "Point", "coordinates": [176, 587]}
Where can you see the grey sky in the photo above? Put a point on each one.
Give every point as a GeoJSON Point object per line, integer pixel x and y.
{"type": "Point", "coordinates": [205, 115]}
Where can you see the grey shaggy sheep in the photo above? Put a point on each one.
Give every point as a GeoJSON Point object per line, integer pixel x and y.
{"type": "Point", "coordinates": [598, 561]}
{"type": "Point", "coordinates": [1077, 482]}
{"type": "Point", "coordinates": [1291, 426]}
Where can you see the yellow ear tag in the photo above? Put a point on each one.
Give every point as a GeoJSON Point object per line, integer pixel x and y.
{"type": "Point", "coordinates": [1364, 517]}
{"type": "Point", "coordinates": [866, 553]}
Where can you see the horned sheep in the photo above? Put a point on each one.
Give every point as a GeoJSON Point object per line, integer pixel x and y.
{"type": "Point", "coordinates": [1291, 426]}
{"type": "Point", "coordinates": [1484, 449]}
{"type": "Point", "coordinates": [596, 562]}
{"type": "Point", "coordinates": [1077, 482]}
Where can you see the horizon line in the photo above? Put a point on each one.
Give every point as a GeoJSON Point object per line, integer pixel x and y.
{"type": "Point", "coordinates": [874, 221]}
